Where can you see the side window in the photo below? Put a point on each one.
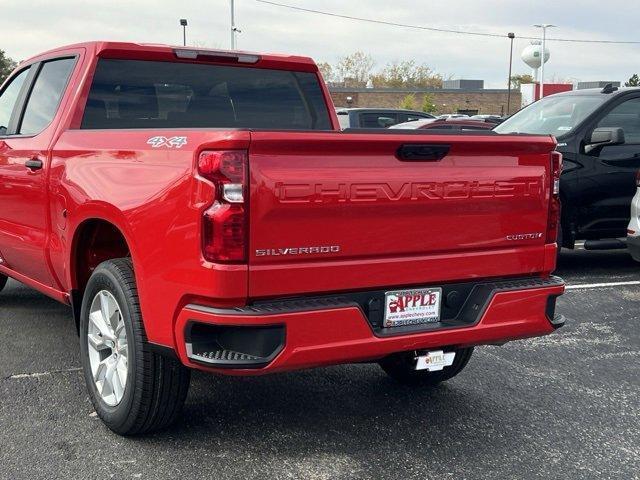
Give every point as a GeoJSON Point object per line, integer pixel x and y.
{"type": "Point", "coordinates": [626, 116]}
{"type": "Point", "coordinates": [8, 99]}
{"type": "Point", "coordinates": [45, 95]}
{"type": "Point", "coordinates": [378, 120]}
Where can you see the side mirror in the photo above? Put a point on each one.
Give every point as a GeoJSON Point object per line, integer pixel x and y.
{"type": "Point", "coordinates": [603, 136]}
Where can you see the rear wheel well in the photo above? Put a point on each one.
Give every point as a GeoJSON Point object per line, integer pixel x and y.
{"type": "Point", "coordinates": [95, 241]}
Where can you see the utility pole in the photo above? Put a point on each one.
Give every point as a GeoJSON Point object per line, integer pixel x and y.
{"type": "Point", "coordinates": [544, 27]}
{"type": "Point", "coordinates": [511, 36]}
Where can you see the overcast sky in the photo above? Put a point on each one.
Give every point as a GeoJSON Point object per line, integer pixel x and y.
{"type": "Point", "coordinates": [28, 27]}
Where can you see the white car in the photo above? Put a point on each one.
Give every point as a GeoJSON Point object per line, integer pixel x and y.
{"type": "Point", "coordinates": [633, 229]}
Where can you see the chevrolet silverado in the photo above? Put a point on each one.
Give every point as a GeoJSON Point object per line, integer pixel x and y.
{"type": "Point", "coordinates": [201, 209]}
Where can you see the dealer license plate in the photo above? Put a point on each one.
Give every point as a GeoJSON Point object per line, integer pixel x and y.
{"type": "Point", "coordinates": [412, 307]}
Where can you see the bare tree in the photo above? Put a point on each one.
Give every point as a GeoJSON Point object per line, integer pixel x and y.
{"type": "Point", "coordinates": [326, 70]}
{"type": "Point", "coordinates": [355, 69]}
{"type": "Point", "coordinates": [407, 74]}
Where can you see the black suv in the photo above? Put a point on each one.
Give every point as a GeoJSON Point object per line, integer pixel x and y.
{"type": "Point", "coordinates": [598, 133]}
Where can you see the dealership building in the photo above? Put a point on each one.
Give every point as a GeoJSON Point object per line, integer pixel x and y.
{"type": "Point", "coordinates": [462, 96]}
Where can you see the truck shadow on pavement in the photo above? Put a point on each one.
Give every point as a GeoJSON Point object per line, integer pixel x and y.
{"type": "Point", "coordinates": [349, 413]}
{"type": "Point", "coordinates": [343, 409]}
{"type": "Point", "coordinates": [596, 265]}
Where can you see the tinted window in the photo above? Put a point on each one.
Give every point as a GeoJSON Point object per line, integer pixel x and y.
{"type": "Point", "coordinates": [144, 94]}
{"type": "Point", "coordinates": [378, 120]}
{"type": "Point", "coordinates": [45, 96]}
{"type": "Point", "coordinates": [8, 99]}
{"type": "Point", "coordinates": [625, 116]}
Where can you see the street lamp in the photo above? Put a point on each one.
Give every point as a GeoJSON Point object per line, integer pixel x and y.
{"type": "Point", "coordinates": [183, 22]}
{"type": "Point", "coordinates": [544, 27]}
{"type": "Point", "coordinates": [234, 29]}
{"type": "Point", "coordinates": [511, 36]}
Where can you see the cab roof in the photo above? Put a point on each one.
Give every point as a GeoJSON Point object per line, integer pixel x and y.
{"type": "Point", "coordinates": [597, 91]}
{"type": "Point", "coordinates": [149, 51]}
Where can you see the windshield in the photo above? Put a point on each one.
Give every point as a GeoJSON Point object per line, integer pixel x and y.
{"type": "Point", "coordinates": [552, 115]}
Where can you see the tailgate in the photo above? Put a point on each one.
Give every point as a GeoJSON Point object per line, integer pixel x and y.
{"type": "Point", "coordinates": [337, 211]}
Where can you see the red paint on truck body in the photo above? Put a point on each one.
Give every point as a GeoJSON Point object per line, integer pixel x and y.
{"type": "Point", "coordinates": [391, 223]}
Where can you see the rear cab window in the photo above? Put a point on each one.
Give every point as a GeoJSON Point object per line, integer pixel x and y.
{"type": "Point", "coordinates": [153, 94]}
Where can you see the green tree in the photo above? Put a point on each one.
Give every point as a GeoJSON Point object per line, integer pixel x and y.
{"type": "Point", "coordinates": [428, 105]}
{"type": "Point", "coordinates": [633, 81]}
{"type": "Point", "coordinates": [408, 102]}
{"type": "Point", "coordinates": [517, 80]}
{"type": "Point", "coordinates": [6, 66]}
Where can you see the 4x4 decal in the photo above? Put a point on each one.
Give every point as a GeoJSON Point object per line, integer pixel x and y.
{"type": "Point", "coordinates": [171, 142]}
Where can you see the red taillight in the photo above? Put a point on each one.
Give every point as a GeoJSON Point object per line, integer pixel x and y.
{"type": "Point", "coordinates": [224, 224]}
{"type": "Point", "coordinates": [638, 178]}
{"type": "Point", "coordinates": [553, 222]}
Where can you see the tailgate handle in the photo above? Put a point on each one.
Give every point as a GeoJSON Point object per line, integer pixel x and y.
{"type": "Point", "coordinates": [422, 152]}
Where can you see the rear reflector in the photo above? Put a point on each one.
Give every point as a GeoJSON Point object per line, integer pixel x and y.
{"type": "Point", "coordinates": [553, 219]}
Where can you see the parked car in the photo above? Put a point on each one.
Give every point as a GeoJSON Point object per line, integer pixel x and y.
{"type": "Point", "coordinates": [376, 117]}
{"type": "Point", "coordinates": [445, 124]}
{"type": "Point", "coordinates": [495, 119]}
{"type": "Point", "coordinates": [598, 133]}
{"type": "Point", "coordinates": [446, 116]}
{"type": "Point", "coordinates": [201, 209]}
{"type": "Point", "coordinates": [633, 229]}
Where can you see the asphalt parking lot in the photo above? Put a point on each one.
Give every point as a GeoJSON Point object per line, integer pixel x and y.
{"type": "Point", "coordinates": [562, 406]}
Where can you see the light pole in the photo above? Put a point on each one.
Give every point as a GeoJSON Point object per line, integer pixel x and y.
{"type": "Point", "coordinates": [234, 29]}
{"type": "Point", "coordinates": [544, 27]}
{"type": "Point", "coordinates": [183, 22]}
{"type": "Point", "coordinates": [511, 36]}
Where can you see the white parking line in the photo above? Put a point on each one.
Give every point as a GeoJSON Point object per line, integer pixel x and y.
{"type": "Point", "coordinates": [601, 285]}
{"type": "Point", "coordinates": [42, 374]}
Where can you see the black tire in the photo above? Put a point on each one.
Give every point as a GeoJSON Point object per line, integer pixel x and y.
{"type": "Point", "coordinates": [156, 386]}
{"type": "Point", "coordinates": [3, 281]}
{"type": "Point", "coordinates": [400, 367]}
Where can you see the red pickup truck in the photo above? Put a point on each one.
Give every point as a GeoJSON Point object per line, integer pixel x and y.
{"type": "Point", "coordinates": [202, 209]}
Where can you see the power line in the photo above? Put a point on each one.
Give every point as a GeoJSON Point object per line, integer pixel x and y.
{"type": "Point", "coordinates": [435, 29]}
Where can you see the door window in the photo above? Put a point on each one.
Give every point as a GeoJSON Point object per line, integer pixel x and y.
{"type": "Point", "coordinates": [46, 94]}
{"type": "Point", "coordinates": [625, 116]}
{"type": "Point", "coordinates": [378, 120]}
{"type": "Point", "coordinates": [8, 99]}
